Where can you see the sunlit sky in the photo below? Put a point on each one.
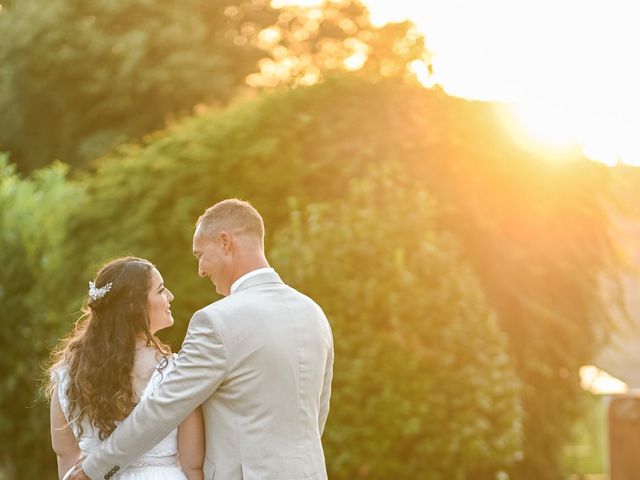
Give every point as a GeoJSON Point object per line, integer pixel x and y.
{"type": "Point", "coordinates": [568, 66]}
{"type": "Point", "coordinates": [600, 382]}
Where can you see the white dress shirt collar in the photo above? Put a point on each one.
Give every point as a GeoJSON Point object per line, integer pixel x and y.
{"type": "Point", "coordinates": [252, 273]}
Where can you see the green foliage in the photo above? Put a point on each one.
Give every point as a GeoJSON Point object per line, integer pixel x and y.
{"type": "Point", "coordinates": [587, 452]}
{"type": "Point", "coordinates": [33, 213]}
{"type": "Point", "coordinates": [423, 381]}
{"type": "Point", "coordinates": [82, 76]}
{"type": "Point", "coordinates": [308, 44]}
{"type": "Point", "coordinates": [533, 232]}
{"type": "Point", "coordinates": [79, 77]}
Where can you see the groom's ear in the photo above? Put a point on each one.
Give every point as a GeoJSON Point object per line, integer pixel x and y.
{"type": "Point", "coordinates": [225, 239]}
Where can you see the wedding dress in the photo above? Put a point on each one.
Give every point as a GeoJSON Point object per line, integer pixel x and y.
{"type": "Point", "coordinates": [159, 463]}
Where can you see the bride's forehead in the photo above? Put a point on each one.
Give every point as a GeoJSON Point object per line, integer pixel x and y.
{"type": "Point", "coordinates": [156, 277]}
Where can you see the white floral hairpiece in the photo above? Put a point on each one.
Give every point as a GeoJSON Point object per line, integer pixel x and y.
{"type": "Point", "coordinates": [98, 293]}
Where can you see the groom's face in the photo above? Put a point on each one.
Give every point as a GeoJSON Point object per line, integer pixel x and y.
{"type": "Point", "coordinates": [212, 263]}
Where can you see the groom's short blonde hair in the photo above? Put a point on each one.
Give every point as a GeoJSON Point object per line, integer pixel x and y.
{"type": "Point", "coordinates": [233, 215]}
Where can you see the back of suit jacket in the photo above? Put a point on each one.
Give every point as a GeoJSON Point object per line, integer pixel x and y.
{"type": "Point", "coordinates": [267, 416]}
{"type": "Point", "coordinates": [260, 363]}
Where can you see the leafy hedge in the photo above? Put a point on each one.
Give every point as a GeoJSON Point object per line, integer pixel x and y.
{"type": "Point", "coordinates": [33, 215]}
{"type": "Point", "coordinates": [533, 232]}
{"type": "Point", "coordinates": [424, 383]}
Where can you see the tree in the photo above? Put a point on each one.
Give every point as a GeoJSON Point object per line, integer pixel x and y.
{"type": "Point", "coordinates": [33, 214]}
{"type": "Point", "coordinates": [307, 45]}
{"type": "Point", "coordinates": [80, 77]}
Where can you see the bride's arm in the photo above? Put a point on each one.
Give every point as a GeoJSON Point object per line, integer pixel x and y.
{"type": "Point", "coordinates": [191, 445]}
{"type": "Point", "coordinates": [64, 443]}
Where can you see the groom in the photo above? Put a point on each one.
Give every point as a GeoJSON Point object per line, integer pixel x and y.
{"type": "Point", "coordinates": [259, 361]}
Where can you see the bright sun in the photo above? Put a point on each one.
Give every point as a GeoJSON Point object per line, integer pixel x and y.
{"type": "Point", "coordinates": [566, 66]}
{"type": "Point", "coordinates": [547, 124]}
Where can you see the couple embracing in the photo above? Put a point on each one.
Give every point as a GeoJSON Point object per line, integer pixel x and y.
{"type": "Point", "coordinates": [246, 397]}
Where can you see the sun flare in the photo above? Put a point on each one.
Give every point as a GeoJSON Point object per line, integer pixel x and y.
{"type": "Point", "coordinates": [553, 126]}
{"type": "Point", "coordinates": [565, 66]}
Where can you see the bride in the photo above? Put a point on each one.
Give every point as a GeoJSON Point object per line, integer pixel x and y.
{"type": "Point", "coordinates": [110, 362]}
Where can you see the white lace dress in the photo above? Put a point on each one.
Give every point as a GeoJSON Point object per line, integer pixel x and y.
{"type": "Point", "coordinates": [159, 463]}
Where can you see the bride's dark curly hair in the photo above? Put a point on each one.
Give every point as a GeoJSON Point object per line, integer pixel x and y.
{"type": "Point", "coordinates": [100, 351]}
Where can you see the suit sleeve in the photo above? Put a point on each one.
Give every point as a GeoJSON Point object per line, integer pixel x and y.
{"type": "Point", "coordinates": [199, 369]}
{"type": "Point", "coordinates": [325, 395]}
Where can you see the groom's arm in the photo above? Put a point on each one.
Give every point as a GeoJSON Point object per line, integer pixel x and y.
{"type": "Point", "coordinates": [199, 369]}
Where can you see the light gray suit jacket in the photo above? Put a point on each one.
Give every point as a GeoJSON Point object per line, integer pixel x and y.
{"type": "Point", "coordinates": [260, 363]}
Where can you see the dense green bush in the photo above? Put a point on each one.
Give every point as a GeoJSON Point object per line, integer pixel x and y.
{"type": "Point", "coordinates": [33, 214]}
{"type": "Point", "coordinates": [423, 383]}
{"type": "Point", "coordinates": [533, 232]}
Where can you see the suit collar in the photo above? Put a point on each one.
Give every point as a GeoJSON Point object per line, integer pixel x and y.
{"type": "Point", "coordinates": [258, 279]}
{"type": "Point", "coordinates": [246, 276]}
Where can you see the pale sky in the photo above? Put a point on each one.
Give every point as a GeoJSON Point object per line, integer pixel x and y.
{"type": "Point", "coordinates": [568, 66]}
